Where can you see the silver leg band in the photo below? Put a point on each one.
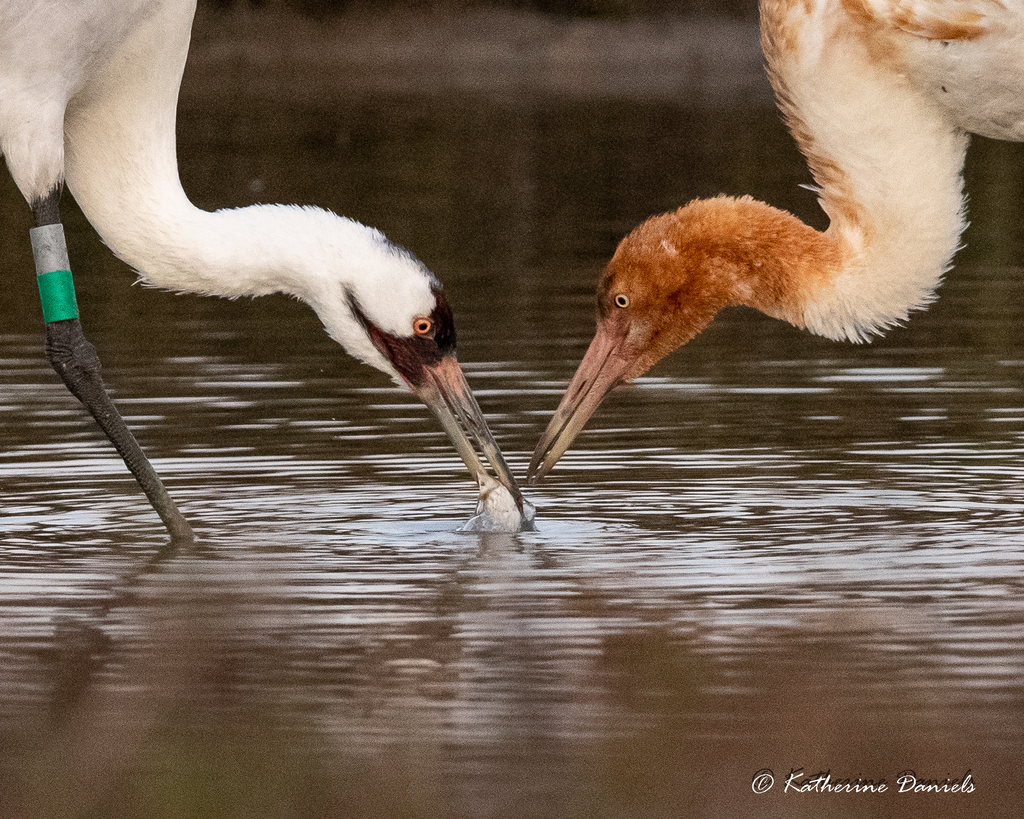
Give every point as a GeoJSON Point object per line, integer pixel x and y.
{"type": "Point", "coordinates": [49, 249]}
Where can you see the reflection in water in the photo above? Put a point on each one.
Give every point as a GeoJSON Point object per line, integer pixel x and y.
{"type": "Point", "coordinates": [402, 670]}
{"type": "Point", "coordinates": [772, 552]}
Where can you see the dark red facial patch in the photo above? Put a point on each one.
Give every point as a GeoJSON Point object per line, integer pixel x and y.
{"type": "Point", "coordinates": [411, 355]}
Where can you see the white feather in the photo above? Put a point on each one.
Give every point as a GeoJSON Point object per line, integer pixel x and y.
{"type": "Point", "coordinates": [104, 75]}
{"type": "Point", "coordinates": [863, 88]}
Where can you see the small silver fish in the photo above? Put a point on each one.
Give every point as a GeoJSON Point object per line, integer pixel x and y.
{"type": "Point", "coordinates": [497, 510]}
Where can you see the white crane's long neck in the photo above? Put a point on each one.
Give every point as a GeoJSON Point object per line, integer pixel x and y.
{"type": "Point", "coordinates": [121, 167]}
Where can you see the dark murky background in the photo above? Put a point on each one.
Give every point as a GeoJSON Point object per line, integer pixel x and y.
{"type": "Point", "coordinates": [775, 551]}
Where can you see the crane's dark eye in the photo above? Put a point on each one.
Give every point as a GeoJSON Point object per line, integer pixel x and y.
{"type": "Point", "coordinates": [422, 325]}
{"type": "Point", "coordinates": [622, 300]}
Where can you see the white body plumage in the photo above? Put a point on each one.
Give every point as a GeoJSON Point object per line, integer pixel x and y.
{"type": "Point", "coordinates": [88, 94]}
{"type": "Point", "coordinates": [88, 97]}
{"type": "Point", "coordinates": [880, 95]}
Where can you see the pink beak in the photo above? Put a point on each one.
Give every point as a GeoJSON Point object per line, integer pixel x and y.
{"type": "Point", "coordinates": [605, 365]}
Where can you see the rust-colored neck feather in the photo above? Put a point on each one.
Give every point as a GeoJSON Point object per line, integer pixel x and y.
{"type": "Point", "coordinates": [677, 270]}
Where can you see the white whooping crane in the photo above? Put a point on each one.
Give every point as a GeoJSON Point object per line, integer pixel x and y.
{"type": "Point", "coordinates": [88, 98]}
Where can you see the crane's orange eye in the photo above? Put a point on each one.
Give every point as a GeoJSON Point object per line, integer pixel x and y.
{"type": "Point", "coordinates": [422, 326]}
{"type": "Point", "coordinates": [622, 300]}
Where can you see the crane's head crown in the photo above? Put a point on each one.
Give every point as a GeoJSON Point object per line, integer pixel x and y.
{"type": "Point", "coordinates": [666, 281]}
{"type": "Point", "coordinates": [377, 299]}
{"type": "Point", "coordinates": [385, 307]}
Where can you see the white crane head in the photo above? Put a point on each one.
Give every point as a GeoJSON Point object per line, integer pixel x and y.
{"type": "Point", "coordinates": [385, 307]}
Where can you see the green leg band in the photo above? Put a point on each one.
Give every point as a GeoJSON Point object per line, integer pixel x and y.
{"type": "Point", "coordinates": [53, 272]}
{"type": "Point", "coordinates": [57, 293]}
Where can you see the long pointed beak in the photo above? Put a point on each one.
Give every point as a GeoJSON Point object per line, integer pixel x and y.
{"type": "Point", "coordinates": [603, 368]}
{"type": "Point", "coordinates": [449, 397]}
